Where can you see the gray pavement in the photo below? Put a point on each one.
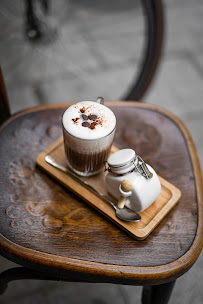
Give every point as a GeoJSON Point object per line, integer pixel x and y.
{"type": "Point", "coordinates": [96, 51]}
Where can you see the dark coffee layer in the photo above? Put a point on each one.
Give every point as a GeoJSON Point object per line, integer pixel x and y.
{"type": "Point", "coordinates": [86, 163]}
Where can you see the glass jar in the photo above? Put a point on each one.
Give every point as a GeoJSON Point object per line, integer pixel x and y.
{"type": "Point", "coordinates": [126, 165]}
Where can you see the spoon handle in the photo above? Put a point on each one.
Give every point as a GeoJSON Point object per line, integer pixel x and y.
{"type": "Point", "coordinates": [49, 159]}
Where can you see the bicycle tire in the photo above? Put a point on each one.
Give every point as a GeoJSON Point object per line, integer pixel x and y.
{"type": "Point", "coordinates": [154, 24]}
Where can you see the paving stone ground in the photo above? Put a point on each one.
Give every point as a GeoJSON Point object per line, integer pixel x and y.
{"type": "Point", "coordinates": [95, 50]}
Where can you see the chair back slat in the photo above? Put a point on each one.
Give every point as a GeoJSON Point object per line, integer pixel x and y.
{"type": "Point", "coordinates": [4, 104]}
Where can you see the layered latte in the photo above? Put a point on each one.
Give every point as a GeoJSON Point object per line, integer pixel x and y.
{"type": "Point", "coordinates": [88, 129]}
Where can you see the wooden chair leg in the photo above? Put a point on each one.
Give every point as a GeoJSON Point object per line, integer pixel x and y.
{"type": "Point", "coordinates": [158, 294]}
{"type": "Point", "coordinates": [3, 286]}
{"type": "Point", "coordinates": [23, 273]}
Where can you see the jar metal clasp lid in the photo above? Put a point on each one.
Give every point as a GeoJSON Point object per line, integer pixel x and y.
{"type": "Point", "coordinates": [142, 168]}
{"type": "Point", "coordinates": [138, 163]}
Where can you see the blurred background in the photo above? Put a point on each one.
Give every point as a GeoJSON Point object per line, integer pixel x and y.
{"type": "Point", "coordinates": [94, 48]}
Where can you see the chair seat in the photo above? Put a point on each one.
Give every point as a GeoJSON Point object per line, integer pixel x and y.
{"type": "Point", "coordinates": [45, 227]}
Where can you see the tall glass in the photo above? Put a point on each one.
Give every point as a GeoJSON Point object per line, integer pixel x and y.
{"type": "Point", "coordinates": [88, 130]}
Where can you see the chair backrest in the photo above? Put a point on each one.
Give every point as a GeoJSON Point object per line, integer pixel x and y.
{"type": "Point", "coordinates": [4, 105]}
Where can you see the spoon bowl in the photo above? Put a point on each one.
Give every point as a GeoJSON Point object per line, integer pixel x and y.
{"type": "Point", "coordinates": [128, 215]}
{"type": "Point", "coordinates": [124, 214]}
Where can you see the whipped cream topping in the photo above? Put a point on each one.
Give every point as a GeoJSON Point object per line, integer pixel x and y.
{"type": "Point", "coordinates": [89, 120]}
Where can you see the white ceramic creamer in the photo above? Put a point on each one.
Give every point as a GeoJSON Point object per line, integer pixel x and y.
{"type": "Point", "coordinates": [126, 165]}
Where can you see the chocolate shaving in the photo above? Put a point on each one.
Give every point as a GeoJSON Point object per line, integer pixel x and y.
{"type": "Point", "coordinates": [75, 120]}
{"type": "Point", "coordinates": [93, 125]}
{"type": "Point", "coordinates": [82, 110]}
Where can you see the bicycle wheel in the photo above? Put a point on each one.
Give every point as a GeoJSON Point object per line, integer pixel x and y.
{"type": "Point", "coordinates": [103, 49]}
{"type": "Point", "coordinates": [154, 26]}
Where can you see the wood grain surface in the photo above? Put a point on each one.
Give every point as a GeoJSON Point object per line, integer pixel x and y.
{"type": "Point", "coordinates": [150, 218]}
{"type": "Point", "coordinates": [82, 241]}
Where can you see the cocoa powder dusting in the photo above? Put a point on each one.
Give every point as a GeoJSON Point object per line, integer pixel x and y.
{"type": "Point", "coordinates": [100, 121]}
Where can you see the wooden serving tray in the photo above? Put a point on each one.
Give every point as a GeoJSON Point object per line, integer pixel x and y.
{"type": "Point", "coordinates": [151, 217]}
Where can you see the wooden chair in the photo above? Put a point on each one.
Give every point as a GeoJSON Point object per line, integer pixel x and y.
{"type": "Point", "coordinates": [55, 235]}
